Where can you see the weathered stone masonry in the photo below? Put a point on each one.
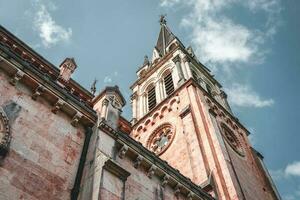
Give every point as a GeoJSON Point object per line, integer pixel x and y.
{"type": "Point", "coordinates": [53, 131]}
{"type": "Point", "coordinates": [59, 141]}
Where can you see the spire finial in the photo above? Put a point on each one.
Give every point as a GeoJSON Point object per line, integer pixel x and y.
{"type": "Point", "coordinates": [162, 19]}
{"type": "Point", "coordinates": [93, 87]}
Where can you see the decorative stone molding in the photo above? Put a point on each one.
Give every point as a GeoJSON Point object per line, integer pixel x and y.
{"type": "Point", "coordinates": [186, 59]}
{"type": "Point", "coordinates": [38, 91]}
{"type": "Point", "coordinates": [151, 171]}
{"type": "Point", "coordinates": [190, 196]}
{"type": "Point", "coordinates": [105, 127]}
{"type": "Point", "coordinates": [165, 180]}
{"type": "Point", "coordinates": [5, 135]}
{"type": "Point", "coordinates": [185, 111]}
{"type": "Point", "coordinates": [176, 59]}
{"type": "Point", "coordinates": [57, 106]}
{"type": "Point", "coordinates": [76, 118]}
{"type": "Point", "coordinates": [177, 190]}
{"type": "Point", "coordinates": [17, 76]}
{"type": "Point", "coordinates": [232, 139]}
{"type": "Point", "coordinates": [133, 96]}
{"type": "Point", "coordinates": [138, 161]}
{"type": "Point", "coordinates": [161, 138]}
{"type": "Point", "coordinates": [123, 151]}
{"type": "Point", "coordinates": [115, 169]}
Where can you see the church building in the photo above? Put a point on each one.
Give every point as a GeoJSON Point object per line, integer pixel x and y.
{"type": "Point", "coordinates": [60, 141]}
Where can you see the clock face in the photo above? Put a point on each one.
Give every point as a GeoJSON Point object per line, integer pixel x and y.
{"type": "Point", "coordinates": [161, 139]}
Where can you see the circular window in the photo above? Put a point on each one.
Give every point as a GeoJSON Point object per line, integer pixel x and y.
{"type": "Point", "coordinates": [161, 139]}
{"type": "Point", "coordinates": [232, 139]}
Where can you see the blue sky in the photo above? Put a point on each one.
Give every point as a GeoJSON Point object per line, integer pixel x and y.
{"type": "Point", "coordinates": [252, 47]}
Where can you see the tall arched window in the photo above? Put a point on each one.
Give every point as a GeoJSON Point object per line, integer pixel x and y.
{"type": "Point", "coordinates": [168, 82]}
{"type": "Point", "coordinates": [151, 97]}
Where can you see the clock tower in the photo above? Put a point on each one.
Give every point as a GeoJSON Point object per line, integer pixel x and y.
{"type": "Point", "coordinates": [181, 114]}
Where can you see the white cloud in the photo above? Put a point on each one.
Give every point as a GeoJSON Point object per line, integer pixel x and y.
{"type": "Point", "coordinates": [49, 31]}
{"type": "Point", "coordinates": [111, 78]}
{"type": "Point", "coordinates": [243, 95]}
{"type": "Point", "coordinates": [107, 79]}
{"type": "Point", "coordinates": [223, 42]}
{"type": "Point", "coordinates": [169, 3]}
{"type": "Point", "coordinates": [226, 45]}
{"type": "Point", "coordinates": [293, 169]}
{"type": "Point", "coordinates": [217, 38]}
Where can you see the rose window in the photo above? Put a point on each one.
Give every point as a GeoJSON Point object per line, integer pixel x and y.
{"type": "Point", "coordinates": [233, 140]}
{"type": "Point", "coordinates": [161, 138]}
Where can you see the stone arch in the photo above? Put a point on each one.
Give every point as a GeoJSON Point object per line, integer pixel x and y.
{"type": "Point", "coordinates": [164, 70]}
{"type": "Point", "coordinates": [149, 82]}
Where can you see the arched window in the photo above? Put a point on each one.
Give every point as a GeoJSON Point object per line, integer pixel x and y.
{"type": "Point", "coordinates": [151, 97]}
{"type": "Point", "coordinates": [168, 82]}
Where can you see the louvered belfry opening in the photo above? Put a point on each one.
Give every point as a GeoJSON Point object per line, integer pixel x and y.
{"type": "Point", "coordinates": [151, 98]}
{"type": "Point", "coordinates": [169, 86]}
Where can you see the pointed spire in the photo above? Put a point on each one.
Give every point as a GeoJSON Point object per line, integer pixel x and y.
{"type": "Point", "coordinates": [165, 36]}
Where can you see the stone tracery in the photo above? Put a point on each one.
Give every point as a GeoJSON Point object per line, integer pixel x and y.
{"type": "Point", "coordinates": [161, 139]}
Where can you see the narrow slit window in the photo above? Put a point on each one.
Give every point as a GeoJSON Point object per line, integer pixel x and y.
{"type": "Point", "coordinates": [151, 98]}
{"type": "Point", "coordinates": [169, 85]}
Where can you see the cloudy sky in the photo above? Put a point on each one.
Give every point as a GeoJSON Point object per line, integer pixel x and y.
{"type": "Point", "coordinates": [252, 47]}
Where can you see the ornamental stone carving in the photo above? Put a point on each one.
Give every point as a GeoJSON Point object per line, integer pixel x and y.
{"type": "Point", "coordinates": [232, 140]}
{"type": "Point", "coordinates": [160, 140]}
{"type": "Point", "coordinates": [5, 135]}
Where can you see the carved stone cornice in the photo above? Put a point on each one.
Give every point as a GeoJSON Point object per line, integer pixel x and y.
{"type": "Point", "coordinates": [38, 91]}
{"type": "Point", "coordinates": [151, 171]}
{"type": "Point", "coordinates": [186, 59]}
{"type": "Point", "coordinates": [165, 180]}
{"type": "Point", "coordinates": [123, 151]}
{"type": "Point", "coordinates": [176, 59]}
{"type": "Point", "coordinates": [16, 77]}
{"type": "Point", "coordinates": [57, 106]}
{"type": "Point", "coordinates": [138, 161]}
{"type": "Point", "coordinates": [116, 169]}
{"type": "Point", "coordinates": [177, 190]}
{"type": "Point", "coordinates": [76, 118]}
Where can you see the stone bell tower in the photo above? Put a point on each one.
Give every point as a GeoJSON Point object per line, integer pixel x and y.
{"type": "Point", "coordinates": [181, 114]}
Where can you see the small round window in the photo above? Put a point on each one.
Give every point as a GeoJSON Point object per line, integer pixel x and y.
{"type": "Point", "coordinates": [161, 139]}
{"type": "Point", "coordinates": [233, 140]}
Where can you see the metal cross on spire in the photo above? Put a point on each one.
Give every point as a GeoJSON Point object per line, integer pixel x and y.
{"type": "Point", "coordinates": [162, 19]}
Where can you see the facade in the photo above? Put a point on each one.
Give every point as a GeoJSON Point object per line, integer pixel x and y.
{"type": "Point", "coordinates": [59, 141]}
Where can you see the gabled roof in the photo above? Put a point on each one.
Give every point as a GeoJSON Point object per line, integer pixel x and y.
{"type": "Point", "coordinates": [165, 37]}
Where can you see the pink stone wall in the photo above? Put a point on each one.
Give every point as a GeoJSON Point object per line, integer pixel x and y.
{"type": "Point", "coordinates": [45, 148]}
{"type": "Point", "coordinates": [199, 150]}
